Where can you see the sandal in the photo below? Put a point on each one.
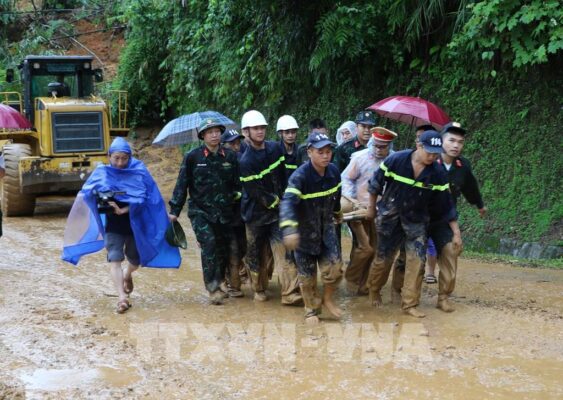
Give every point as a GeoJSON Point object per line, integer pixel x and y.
{"type": "Point", "coordinates": [430, 278]}
{"type": "Point", "coordinates": [123, 306]}
{"type": "Point", "coordinates": [128, 285]}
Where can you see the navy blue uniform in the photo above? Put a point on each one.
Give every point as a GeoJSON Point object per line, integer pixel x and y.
{"type": "Point", "coordinates": [406, 207]}
{"type": "Point", "coordinates": [290, 159]}
{"type": "Point", "coordinates": [263, 176]}
{"type": "Point", "coordinates": [308, 208]}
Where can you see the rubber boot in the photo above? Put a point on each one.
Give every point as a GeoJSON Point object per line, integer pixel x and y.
{"type": "Point", "coordinates": [311, 299]}
{"type": "Point", "coordinates": [328, 301]}
{"type": "Point", "coordinates": [259, 292]}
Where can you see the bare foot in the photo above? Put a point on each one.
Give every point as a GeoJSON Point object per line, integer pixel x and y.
{"type": "Point", "coordinates": [375, 298]}
{"type": "Point", "coordinates": [312, 321]}
{"type": "Point", "coordinates": [445, 305]}
{"type": "Point", "coordinates": [413, 312]}
{"type": "Point", "coordinates": [329, 303]}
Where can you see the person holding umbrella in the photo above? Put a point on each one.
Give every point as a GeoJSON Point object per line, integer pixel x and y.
{"type": "Point", "coordinates": [414, 190]}
{"type": "Point", "coordinates": [210, 173]}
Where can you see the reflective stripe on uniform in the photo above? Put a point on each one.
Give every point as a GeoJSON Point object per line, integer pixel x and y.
{"type": "Point", "coordinates": [290, 166]}
{"type": "Point", "coordinates": [275, 203]}
{"type": "Point", "coordinates": [289, 222]}
{"type": "Point", "coordinates": [263, 173]}
{"type": "Point", "coordinates": [412, 182]}
{"type": "Point", "coordinates": [313, 195]}
{"type": "Point", "coordinates": [238, 195]}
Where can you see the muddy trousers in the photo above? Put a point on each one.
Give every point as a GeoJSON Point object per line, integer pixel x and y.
{"type": "Point", "coordinates": [442, 235]}
{"type": "Point", "coordinates": [257, 238]}
{"type": "Point", "coordinates": [392, 233]}
{"type": "Point", "coordinates": [214, 241]}
{"type": "Point", "coordinates": [237, 251]}
{"type": "Point", "coordinates": [330, 266]}
{"type": "Point", "coordinates": [362, 253]}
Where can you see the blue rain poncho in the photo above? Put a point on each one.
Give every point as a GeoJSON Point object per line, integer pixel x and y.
{"type": "Point", "coordinates": [84, 231]}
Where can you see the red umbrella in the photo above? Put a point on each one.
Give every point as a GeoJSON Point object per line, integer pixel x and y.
{"type": "Point", "coordinates": [411, 110]}
{"type": "Point", "coordinates": [10, 118]}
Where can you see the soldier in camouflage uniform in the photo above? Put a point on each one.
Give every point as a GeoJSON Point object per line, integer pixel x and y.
{"type": "Point", "coordinates": [365, 120]}
{"type": "Point", "coordinates": [211, 175]}
{"type": "Point", "coordinates": [309, 209]}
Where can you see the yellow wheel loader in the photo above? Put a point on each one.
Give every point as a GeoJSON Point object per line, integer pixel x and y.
{"type": "Point", "coordinates": [71, 130]}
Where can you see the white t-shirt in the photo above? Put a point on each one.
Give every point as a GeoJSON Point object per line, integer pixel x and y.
{"type": "Point", "coordinates": [448, 166]}
{"type": "Point", "coordinates": [2, 162]}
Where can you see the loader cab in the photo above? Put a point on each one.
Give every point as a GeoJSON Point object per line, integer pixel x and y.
{"type": "Point", "coordinates": [56, 76]}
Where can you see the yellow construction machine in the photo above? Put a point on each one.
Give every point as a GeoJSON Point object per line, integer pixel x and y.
{"type": "Point", "coordinates": [71, 129]}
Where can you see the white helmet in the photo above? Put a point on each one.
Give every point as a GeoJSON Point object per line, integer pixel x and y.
{"type": "Point", "coordinates": [252, 118]}
{"type": "Point", "coordinates": [286, 122]}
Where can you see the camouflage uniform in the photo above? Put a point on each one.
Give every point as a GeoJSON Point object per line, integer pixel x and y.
{"type": "Point", "coordinates": [263, 177]}
{"type": "Point", "coordinates": [212, 180]}
{"type": "Point", "coordinates": [343, 153]}
{"type": "Point", "coordinates": [308, 208]}
{"type": "Point", "coordinates": [302, 156]}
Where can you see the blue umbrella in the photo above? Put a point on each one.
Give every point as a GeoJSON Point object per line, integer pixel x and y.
{"type": "Point", "coordinates": [183, 129]}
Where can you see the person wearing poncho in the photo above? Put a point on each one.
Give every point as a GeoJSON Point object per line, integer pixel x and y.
{"type": "Point", "coordinates": [137, 225]}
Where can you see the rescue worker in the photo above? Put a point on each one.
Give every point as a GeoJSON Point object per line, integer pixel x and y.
{"type": "Point", "coordinates": [315, 124]}
{"type": "Point", "coordinates": [236, 273]}
{"type": "Point", "coordinates": [462, 181]}
{"type": "Point", "coordinates": [365, 120]}
{"type": "Point", "coordinates": [263, 177]}
{"type": "Point", "coordinates": [431, 257]}
{"type": "Point", "coordinates": [211, 175]}
{"type": "Point", "coordinates": [309, 210]}
{"type": "Point", "coordinates": [355, 187]}
{"type": "Point", "coordinates": [414, 190]}
{"type": "Point", "coordinates": [287, 130]}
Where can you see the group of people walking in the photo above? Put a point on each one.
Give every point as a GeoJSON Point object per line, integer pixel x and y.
{"type": "Point", "coordinates": [257, 206]}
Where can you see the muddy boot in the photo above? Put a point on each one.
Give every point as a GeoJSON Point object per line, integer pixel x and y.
{"type": "Point", "coordinates": [375, 298]}
{"type": "Point", "coordinates": [312, 301]}
{"type": "Point", "coordinates": [260, 296]}
{"type": "Point", "coordinates": [216, 298]}
{"type": "Point", "coordinates": [223, 289]}
{"type": "Point", "coordinates": [235, 293]}
{"type": "Point", "coordinates": [414, 312]}
{"type": "Point", "coordinates": [445, 305]}
{"type": "Point", "coordinates": [395, 296]}
{"type": "Point", "coordinates": [328, 301]}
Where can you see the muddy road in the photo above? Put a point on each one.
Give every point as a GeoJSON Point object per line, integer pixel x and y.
{"type": "Point", "coordinates": [61, 338]}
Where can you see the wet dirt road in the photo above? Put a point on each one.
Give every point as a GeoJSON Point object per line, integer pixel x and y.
{"type": "Point", "coordinates": [60, 337]}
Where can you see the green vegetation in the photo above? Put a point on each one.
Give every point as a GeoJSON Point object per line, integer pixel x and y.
{"type": "Point", "coordinates": [493, 65]}
{"type": "Point", "coordinates": [520, 262]}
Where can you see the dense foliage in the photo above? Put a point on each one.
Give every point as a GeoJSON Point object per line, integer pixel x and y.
{"type": "Point", "coordinates": [494, 65]}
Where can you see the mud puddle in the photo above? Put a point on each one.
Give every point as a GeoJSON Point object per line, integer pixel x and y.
{"type": "Point", "coordinates": [60, 337]}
